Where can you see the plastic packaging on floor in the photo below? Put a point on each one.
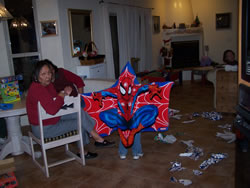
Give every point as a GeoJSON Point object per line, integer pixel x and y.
{"type": "Point", "coordinates": [170, 139]}
{"type": "Point", "coordinates": [189, 121]}
{"type": "Point", "coordinates": [185, 182]}
{"type": "Point", "coordinates": [226, 126]}
{"type": "Point", "coordinates": [197, 172]}
{"type": "Point", "coordinates": [192, 152]}
{"type": "Point", "coordinates": [172, 113]}
{"type": "Point", "coordinates": [228, 136]}
{"type": "Point", "coordinates": [215, 158]}
{"type": "Point", "coordinates": [176, 166]}
{"type": "Point", "coordinates": [212, 115]}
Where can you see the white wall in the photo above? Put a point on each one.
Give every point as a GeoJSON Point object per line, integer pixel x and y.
{"type": "Point", "coordinates": [98, 35]}
{"type": "Point", "coordinates": [159, 10]}
{"type": "Point", "coordinates": [217, 40]}
{"type": "Point", "coordinates": [57, 48]}
{"type": "Point", "coordinates": [179, 11]}
{"type": "Point", "coordinates": [51, 46]}
{"type": "Point", "coordinates": [70, 62]}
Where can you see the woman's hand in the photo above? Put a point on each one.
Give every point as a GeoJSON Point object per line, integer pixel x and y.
{"type": "Point", "coordinates": [61, 94]}
{"type": "Point", "coordinates": [67, 90]}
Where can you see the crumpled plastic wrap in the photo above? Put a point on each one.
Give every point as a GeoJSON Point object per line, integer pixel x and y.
{"type": "Point", "coordinates": [185, 182]}
{"type": "Point", "coordinates": [215, 158]}
{"type": "Point", "coordinates": [228, 136]}
{"type": "Point", "coordinates": [226, 126]}
{"type": "Point", "coordinates": [196, 114]}
{"type": "Point", "coordinates": [212, 115]}
{"type": "Point", "coordinates": [172, 113]}
{"type": "Point", "coordinates": [170, 139]}
{"type": "Point", "coordinates": [173, 179]}
{"type": "Point", "coordinates": [189, 121]}
{"type": "Point", "coordinates": [192, 151]}
{"type": "Point", "coordinates": [197, 172]}
{"type": "Point", "coordinates": [176, 166]}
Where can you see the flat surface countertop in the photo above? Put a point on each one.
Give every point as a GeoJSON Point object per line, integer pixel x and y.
{"type": "Point", "coordinates": [19, 108]}
{"type": "Point", "coordinates": [205, 68]}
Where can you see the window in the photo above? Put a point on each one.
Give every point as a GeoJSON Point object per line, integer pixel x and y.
{"type": "Point", "coordinates": [23, 39]}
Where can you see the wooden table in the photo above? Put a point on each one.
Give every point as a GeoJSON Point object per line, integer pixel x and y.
{"type": "Point", "coordinates": [201, 69]}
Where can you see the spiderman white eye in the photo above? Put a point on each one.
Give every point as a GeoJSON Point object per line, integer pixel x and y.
{"type": "Point", "coordinates": [122, 90]}
{"type": "Point", "coordinates": [129, 90]}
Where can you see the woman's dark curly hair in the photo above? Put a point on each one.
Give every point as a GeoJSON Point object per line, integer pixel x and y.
{"type": "Point", "coordinates": [52, 65]}
{"type": "Point", "coordinates": [39, 65]}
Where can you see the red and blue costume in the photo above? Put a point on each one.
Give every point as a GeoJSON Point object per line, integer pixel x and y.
{"type": "Point", "coordinates": [129, 107]}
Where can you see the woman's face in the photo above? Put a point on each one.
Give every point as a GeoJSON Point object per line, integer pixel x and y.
{"type": "Point", "coordinates": [45, 75]}
{"type": "Point", "coordinates": [229, 57]}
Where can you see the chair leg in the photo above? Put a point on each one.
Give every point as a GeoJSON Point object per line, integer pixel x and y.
{"type": "Point", "coordinates": [32, 148]}
{"type": "Point", "coordinates": [67, 147]}
{"type": "Point", "coordinates": [46, 168]}
{"type": "Point", "coordinates": [82, 152]}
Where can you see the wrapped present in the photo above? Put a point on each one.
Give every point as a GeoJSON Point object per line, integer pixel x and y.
{"type": "Point", "coordinates": [7, 176]}
{"type": "Point", "coordinates": [8, 180]}
{"type": "Point", "coordinates": [9, 88]}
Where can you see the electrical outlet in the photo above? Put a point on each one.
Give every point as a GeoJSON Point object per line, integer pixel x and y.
{"type": "Point", "coordinates": [206, 48]}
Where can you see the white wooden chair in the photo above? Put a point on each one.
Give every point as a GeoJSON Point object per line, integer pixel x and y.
{"type": "Point", "coordinates": [66, 139]}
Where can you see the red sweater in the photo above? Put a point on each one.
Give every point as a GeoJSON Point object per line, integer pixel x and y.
{"type": "Point", "coordinates": [45, 95]}
{"type": "Point", "coordinates": [65, 78]}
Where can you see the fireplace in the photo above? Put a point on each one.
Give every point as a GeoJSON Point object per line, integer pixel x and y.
{"type": "Point", "coordinates": [187, 46]}
{"type": "Point", "coordinates": [185, 54]}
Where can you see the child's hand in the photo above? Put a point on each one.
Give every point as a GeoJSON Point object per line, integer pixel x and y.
{"type": "Point", "coordinates": [67, 90]}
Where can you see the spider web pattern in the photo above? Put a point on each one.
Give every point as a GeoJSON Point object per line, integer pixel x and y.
{"type": "Point", "coordinates": [93, 109]}
{"type": "Point", "coordinates": [162, 120]}
{"type": "Point", "coordinates": [161, 123]}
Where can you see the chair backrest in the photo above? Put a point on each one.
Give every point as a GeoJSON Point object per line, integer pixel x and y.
{"type": "Point", "coordinates": [71, 105]}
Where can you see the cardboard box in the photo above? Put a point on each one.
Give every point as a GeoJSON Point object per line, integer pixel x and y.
{"type": "Point", "coordinates": [226, 91]}
{"type": "Point", "coordinates": [9, 89]}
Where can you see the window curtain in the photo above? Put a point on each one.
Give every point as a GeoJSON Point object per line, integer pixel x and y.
{"type": "Point", "coordinates": [134, 27]}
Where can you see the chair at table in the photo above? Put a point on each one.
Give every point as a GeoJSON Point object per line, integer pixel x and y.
{"type": "Point", "coordinates": [73, 105]}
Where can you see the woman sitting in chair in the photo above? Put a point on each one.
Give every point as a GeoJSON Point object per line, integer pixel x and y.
{"type": "Point", "coordinates": [41, 89]}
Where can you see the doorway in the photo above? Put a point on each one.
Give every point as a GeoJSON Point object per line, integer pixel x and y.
{"type": "Point", "coordinates": [115, 43]}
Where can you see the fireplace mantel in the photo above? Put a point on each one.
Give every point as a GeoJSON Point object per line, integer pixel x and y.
{"type": "Point", "coordinates": [184, 35]}
{"type": "Point", "coordinates": [190, 30]}
{"type": "Point", "coordinates": [188, 34]}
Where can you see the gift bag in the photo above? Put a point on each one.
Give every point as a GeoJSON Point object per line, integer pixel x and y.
{"type": "Point", "coordinates": [90, 50]}
{"type": "Point", "coordinates": [90, 55]}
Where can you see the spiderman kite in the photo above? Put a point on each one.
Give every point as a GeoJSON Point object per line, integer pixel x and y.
{"type": "Point", "coordinates": [129, 107]}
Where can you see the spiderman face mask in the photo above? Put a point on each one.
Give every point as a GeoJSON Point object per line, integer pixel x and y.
{"type": "Point", "coordinates": [126, 89]}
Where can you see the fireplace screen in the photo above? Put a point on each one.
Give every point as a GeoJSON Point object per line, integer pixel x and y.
{"type": "Point", "coordinates": [185, 54]}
